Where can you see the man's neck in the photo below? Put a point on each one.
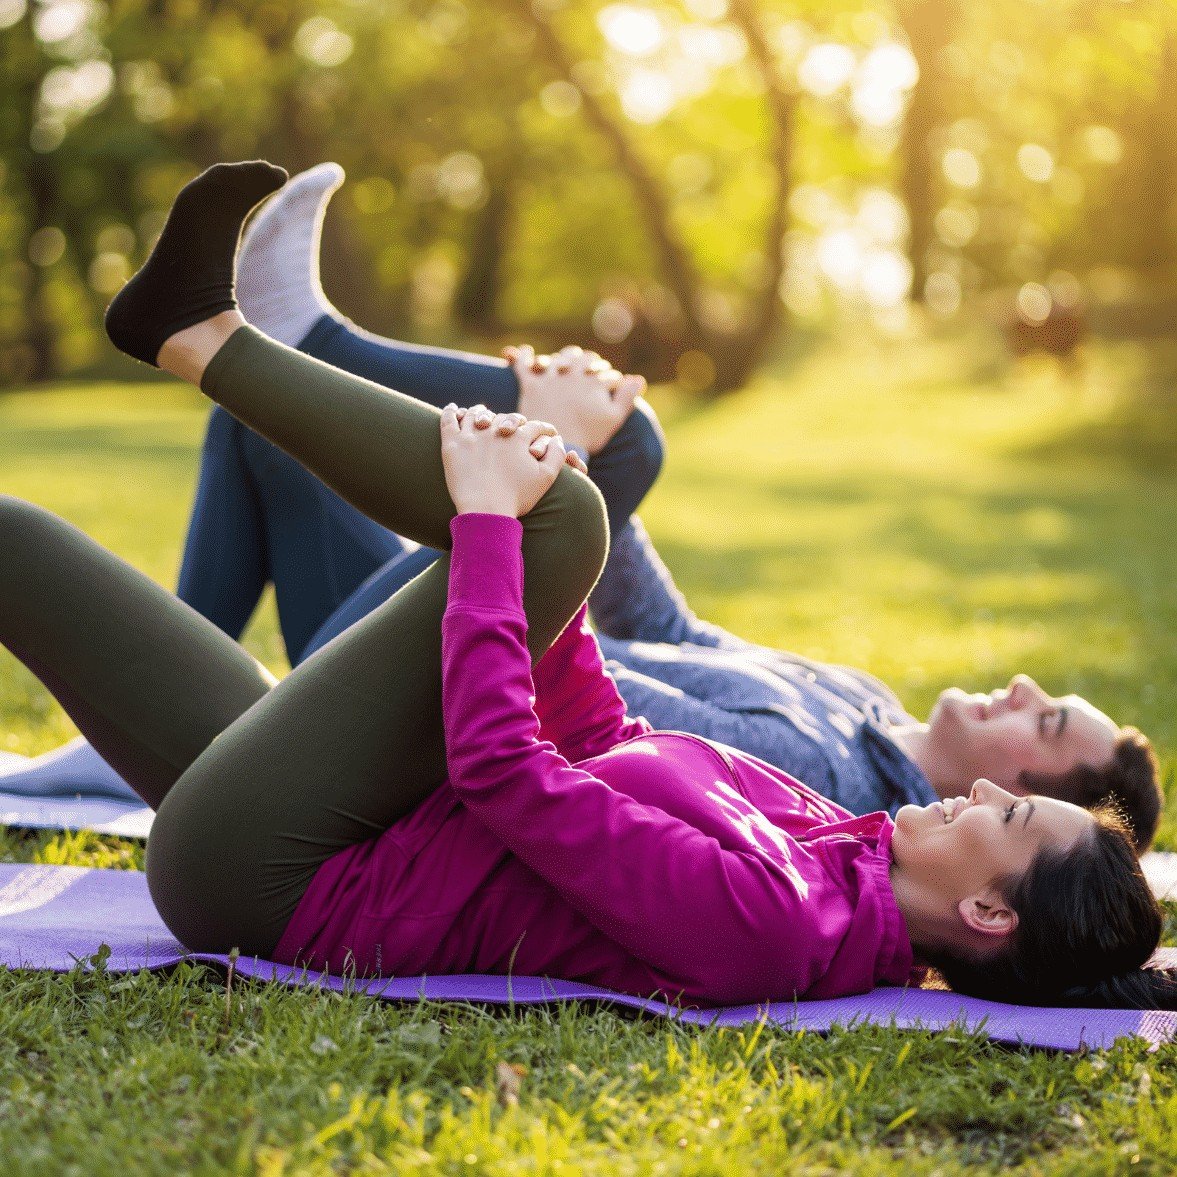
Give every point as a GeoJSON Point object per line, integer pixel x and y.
{"type": "Point", "coordinates": [914, 742]}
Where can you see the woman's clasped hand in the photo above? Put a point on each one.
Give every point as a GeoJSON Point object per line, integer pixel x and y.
{"type": "Point", "coordinates": [500, 464]}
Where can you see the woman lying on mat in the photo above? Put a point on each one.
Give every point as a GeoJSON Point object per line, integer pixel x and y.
{"type": "Point", "coordinates": [418, 797]}
{"type": "Point", "coordinates": [261, 516]}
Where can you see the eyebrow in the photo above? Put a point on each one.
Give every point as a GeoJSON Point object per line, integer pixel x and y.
{"type": "Point", "coordinates": [1029, 814]}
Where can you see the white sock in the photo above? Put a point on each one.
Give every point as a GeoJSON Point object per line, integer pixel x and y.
{"type": "Point", "coordinates": [278, 287]}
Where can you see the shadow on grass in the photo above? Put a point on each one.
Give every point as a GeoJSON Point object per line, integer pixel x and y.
{"type": "Point", "coordinates": [106, 442]}
{"type": "Point", "coordinates": [1140, 433]}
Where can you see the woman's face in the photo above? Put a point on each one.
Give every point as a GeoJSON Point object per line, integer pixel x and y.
{"type": "Point", "coordinates": [959, 848]}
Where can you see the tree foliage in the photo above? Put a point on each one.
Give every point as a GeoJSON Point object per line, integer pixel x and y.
{"type": "Point", "coordinates": [675, 179]}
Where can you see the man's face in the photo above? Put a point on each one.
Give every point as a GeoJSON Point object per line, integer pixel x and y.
{"type": "Point", "coordinates": [1020, 729]}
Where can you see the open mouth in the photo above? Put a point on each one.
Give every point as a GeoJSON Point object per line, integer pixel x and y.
{"type": "Point", "coordinates": [950, 807]}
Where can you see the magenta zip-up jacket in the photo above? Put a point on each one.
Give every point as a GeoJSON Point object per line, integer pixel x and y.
{"type": "Point", "coordinates": [571, 841]}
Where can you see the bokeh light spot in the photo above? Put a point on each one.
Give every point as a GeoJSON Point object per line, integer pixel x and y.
{"type": "Point", "coordinates": [46, 246]}
{"type": "Point", "coordinates": [826, 68]}
{"type": "Point", "coordinates": [560, 99]}
{"type": "Point", "coordinates": [1035, 162]}
{"type": "Point", "coordinates": [636, 31]}
{"type": "Point", "coordinates": [961, 167]}
{"type": "Point", "coordinates": [1034, 303]}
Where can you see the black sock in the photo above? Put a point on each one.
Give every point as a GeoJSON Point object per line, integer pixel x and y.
{"type": "Point", "coordinates": [189, 276]}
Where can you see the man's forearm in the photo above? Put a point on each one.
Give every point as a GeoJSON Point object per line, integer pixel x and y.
{"type": "Point", "coordinates": [637, 599]}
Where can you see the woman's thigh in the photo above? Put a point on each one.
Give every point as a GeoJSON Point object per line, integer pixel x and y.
{"type": "Point", "coordinates": [350, 742]}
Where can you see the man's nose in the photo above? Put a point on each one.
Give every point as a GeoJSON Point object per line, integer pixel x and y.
{"type": "Point", "coordinates": [1023, 689]}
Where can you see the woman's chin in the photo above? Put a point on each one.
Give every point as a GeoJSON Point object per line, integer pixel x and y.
{"type": "Point", "coordinates": [909, 815]}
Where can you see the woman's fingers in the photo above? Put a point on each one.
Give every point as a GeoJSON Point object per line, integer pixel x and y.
{"type": "Point", "coordinates": [573, 459]}
{"type": "Point", "coordinates": [549, 451]}
{"type": "Point", "coordinates": [506, 424]}
{"type": "Point", "coordinates": [482, 417]}
{"type": "Point", "coordinates": [532, 431]}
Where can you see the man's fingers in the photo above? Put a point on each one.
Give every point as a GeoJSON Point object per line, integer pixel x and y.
{"type": "Point", "coordinates": [573, 459]}
{"type": "Point", "coordinates": [628, 391]}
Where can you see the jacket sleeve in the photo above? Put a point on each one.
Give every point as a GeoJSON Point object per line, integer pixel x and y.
{"type": "Point", "coordinates": [668, 893]}
{"type": "Point", "coordinates": [576, 700]}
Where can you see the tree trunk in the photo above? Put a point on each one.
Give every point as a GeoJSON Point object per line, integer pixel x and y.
{"type": "Point", "coordinates": [930, 26]}
{"type": "Point", "coordinates": [38, 179]}
{"type": "Point", "coordinates": [477, 297]}
{"type": "Point", "coordinates": [765, 312]}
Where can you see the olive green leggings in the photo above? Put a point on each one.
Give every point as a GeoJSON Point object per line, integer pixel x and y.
{"type": "Point", "coordinates": [256, 784]}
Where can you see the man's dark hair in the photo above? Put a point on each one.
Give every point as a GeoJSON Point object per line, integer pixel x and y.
{"type": "Point", "coordinates": [1130, 782]}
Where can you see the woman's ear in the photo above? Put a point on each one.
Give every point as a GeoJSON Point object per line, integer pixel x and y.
{"type": "Point", "coordinates": [988, 913]}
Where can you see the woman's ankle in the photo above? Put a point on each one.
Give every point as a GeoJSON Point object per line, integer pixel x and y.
{"type": "Point", "coordinates": [187, 353]}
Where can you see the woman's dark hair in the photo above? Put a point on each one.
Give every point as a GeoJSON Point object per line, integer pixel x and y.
{"type": "Point", "coordinates": [1131, 780]}
{"type": "Point", "coordinates": [1087, 923]}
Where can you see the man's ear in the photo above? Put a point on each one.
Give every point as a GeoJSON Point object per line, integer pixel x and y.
{"type": "Point", "coordinates": [988, 913]}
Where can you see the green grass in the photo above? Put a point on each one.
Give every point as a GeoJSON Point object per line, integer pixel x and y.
{"type": "Point", "coordinates": [915, 509]}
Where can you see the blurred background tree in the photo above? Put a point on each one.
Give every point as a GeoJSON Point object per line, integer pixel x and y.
{"type": "Point", "coordinates": [679, 182]}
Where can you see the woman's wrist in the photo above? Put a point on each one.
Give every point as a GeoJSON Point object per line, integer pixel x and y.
{"type": "Point", "coordinates": [487, 508]}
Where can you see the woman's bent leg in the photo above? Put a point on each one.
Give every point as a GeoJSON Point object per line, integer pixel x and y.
{"type": "Point", "coordinates": [350, 742]}
{"type": "Point", "coordinates": [148, 681]}
{"type": "Point", "coordinates": [352, 739]}
{"type": "Point", "coordinates": [624, 470]}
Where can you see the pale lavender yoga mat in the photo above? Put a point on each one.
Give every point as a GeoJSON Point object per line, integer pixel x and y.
{"type": "Point", "coordinates": [103, 815]}
{"type": "Point", "coordinates": [53, 916]}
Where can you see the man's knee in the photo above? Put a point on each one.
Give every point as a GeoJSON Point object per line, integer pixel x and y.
{"type": "Point", "coordinates": [646, 443]}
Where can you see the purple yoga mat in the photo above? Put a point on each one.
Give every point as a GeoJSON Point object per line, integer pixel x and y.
{"type": "Point", "coordinates": [53, 916]}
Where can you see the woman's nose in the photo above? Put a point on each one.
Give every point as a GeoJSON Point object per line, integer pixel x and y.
{"type": "Point", "coordinates": [987, 792]}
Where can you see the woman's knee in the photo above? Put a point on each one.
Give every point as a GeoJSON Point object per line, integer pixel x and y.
{"type": "Point", "coordinates": [581, 532]}
{"type": "Point", "coordinates": [203, 895]}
